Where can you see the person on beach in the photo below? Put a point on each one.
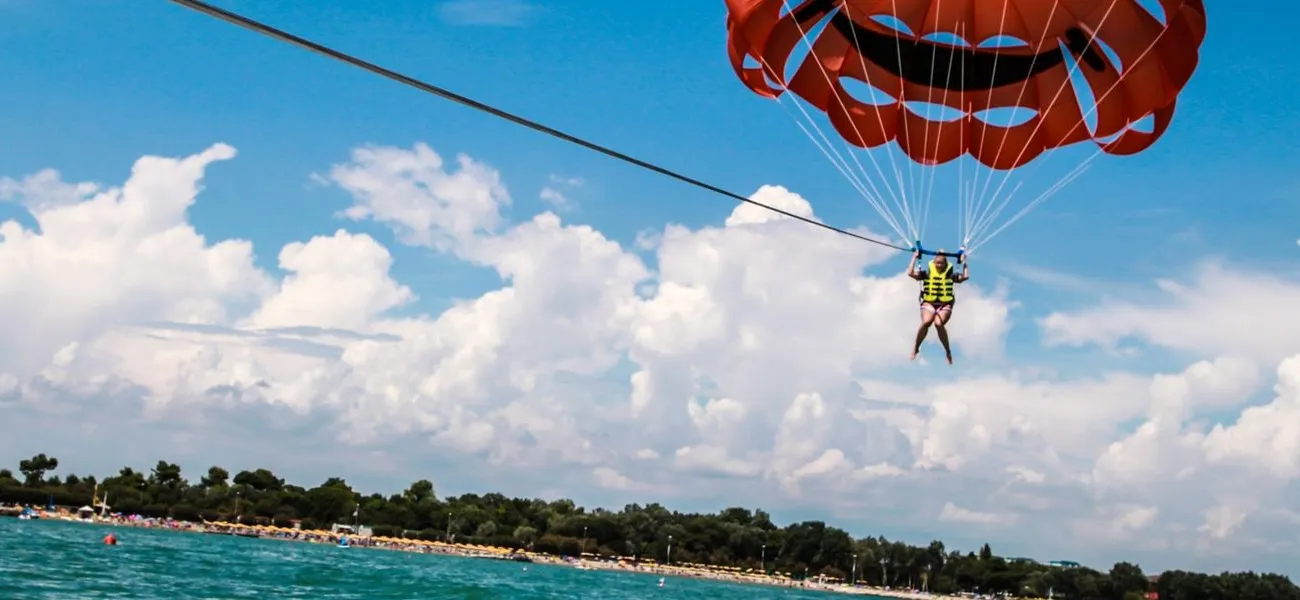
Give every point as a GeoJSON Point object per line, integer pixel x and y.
{"type": "Point", "coordinates": [937, 297]}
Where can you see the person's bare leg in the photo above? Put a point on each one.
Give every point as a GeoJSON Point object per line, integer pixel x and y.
{"type": "Point", "coordinates": [927, 317]}
{"type": "Point", "coordinates": [941, 319]}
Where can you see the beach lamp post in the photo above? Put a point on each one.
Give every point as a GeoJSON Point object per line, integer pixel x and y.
{"type": "Point", "coordinates": [884, 574]}
{"type": "Point", "coordinates": [853, 579]}
{"type": "Point", "coordinates": [762, 559]}
{"type": "Point", "coordinates": [668, 560]}
{"type": "Point", "coordinates": [448, 537]}
{"type": "Point", "coordinates": [584, 542]}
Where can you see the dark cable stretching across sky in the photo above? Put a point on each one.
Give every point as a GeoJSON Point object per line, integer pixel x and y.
{"type": "Point", "coordinates": [287, 37]}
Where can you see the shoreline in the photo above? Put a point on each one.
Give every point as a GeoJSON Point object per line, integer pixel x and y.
{"type": "Point", "coordinates": [743, 579]}
{"type": "Point", "coordinates": [493, 553]}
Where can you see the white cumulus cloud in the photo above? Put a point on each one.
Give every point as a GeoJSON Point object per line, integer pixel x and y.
{"type": "Point", "coordinates": [753, 358]}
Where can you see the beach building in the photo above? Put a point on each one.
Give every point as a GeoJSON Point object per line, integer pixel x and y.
{"type": "Point", "coordinates": [358, 531]}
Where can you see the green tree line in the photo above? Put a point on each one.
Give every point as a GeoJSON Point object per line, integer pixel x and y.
{"type": "Point", "coordinates": [737, 537]}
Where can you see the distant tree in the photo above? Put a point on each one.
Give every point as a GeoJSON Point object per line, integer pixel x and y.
{"type": "Point", "coordinates": [167, 475]}
{"type": "Point", "coordinates": [261, 480]}
{"type": "Point", "coordinates": [525, 534]}
{"type": "Point", "coordinates": [420, 491]}
{"type": "Point", "coordinates": [35, 468]}
{"type": "Point", "coordinates": [329, 502]}
{"type": "Point", "coordinates": [1127, 580]}
{"type": "Point", "coordinates": [7, 478]}
{"type": "Point", "coordinates": [128, 479]}
{"type": "Point", "coordinates": [217, 477]}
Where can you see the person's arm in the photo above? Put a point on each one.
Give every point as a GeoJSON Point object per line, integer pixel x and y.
{"type": "Point", "coordinates": [965, 270]}
{"type": "Point", "coordinates": [911, 266]}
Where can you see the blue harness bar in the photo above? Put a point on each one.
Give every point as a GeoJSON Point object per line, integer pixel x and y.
{"type": "Point", "coordinates": [959, 255]}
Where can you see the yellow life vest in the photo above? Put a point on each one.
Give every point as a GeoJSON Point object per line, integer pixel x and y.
{"type": "Point", "coordinates": [937, 286]}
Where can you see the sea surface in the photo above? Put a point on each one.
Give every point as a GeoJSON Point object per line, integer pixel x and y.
{"type": "Point", "coordinates": [68, 561]}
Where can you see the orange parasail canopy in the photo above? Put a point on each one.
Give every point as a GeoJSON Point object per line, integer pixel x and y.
{"type": "Point", "coordinates": [972, 56]}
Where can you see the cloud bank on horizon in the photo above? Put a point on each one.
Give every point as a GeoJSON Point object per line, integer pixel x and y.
{"type": "Point", "coordinates": [713, 366]}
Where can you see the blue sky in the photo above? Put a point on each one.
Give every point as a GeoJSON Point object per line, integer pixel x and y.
{"type": "Point", "coordinates": [90, 87]}
{"type": "Point", "coordinates": [653, 83]}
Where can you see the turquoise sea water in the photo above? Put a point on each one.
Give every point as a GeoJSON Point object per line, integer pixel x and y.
{"type": "Point", "coordinates": [52, 559]}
